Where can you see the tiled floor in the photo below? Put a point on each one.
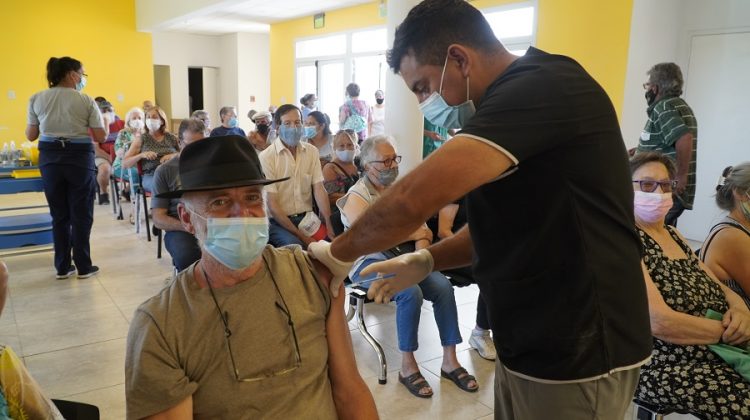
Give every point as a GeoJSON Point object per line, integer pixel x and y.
{"type": "Point", "coordinates": [71, 334]}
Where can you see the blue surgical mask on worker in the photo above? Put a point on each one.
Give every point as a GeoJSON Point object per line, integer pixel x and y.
{"type": "Point", "coordinates": [438, 112]}
{"type": "Point", "coordinates": [235, 241]}
{"type": "Point", "coordinates": [310, 132]}
{"type": "Point", "coordinates": [290, 135]}
{"type": "Point", "coordinates": [81, 83]}
{"type": "Point", "coordinates": [232, 122]}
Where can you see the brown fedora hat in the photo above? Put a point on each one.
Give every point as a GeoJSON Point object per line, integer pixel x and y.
{"type": "Point", "coordinates": [219, 162]}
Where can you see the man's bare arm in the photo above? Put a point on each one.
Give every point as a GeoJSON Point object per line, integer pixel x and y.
{"type": "Point", "coordinates": [439, 180]}
{"type": "Point", "coordinates": [684, 148]}
{"type": "Point", "coordinates": [164, 221]}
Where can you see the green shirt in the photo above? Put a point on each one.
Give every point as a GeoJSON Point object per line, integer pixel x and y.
{"type": "Point", "coordinates": [428, 144]}
{"type": "Point", "coordinates": [668, 120]}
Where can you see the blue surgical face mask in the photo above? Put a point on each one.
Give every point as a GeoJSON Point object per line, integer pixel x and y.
{"type": "Point", "coordinates": [438, 112]}
{"type": "Point", "coordinates": [81, 83]}
{"type": "Point", "coordinates": [290, 135]}
{"type": "Point", "coordinates": [387, 176]}
{"type": "Point", "coordinates": [232, 122]}
{"type": "Point", "coordinates": [310, 132]}
{"type": "Point", "coordinates": [236, 242]}
{"type": "Point", "coordinates": [345, 155]}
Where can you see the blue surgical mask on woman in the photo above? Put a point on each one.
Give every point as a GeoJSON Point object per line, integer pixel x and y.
{"type": "Point", "coordinates": [438, 112]}
{"type": "Point", "coordinates": [81, 83]}
{"type": "Point", "coordinates": [310, 132]}
{"type": "Point", "coordinates": [236, 242]}
{"type": "Point", "coordinates": [387, 176]}
{"type": "Point", "coordinates": [290, 135]}
{"type": "Point", "coordinates": [232, 122]}
{"type": "Point", "coordinates": [345, 155]}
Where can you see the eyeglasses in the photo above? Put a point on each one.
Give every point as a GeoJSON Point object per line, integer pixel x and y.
{"type": "Point", "coordinates": [646, 85]}
{"type": "Point", "coordinates": [228, 333]}
{"type": "Point", "coordinates": [388, 162]}
{"type": "Point", "coordinates": [649, 185]}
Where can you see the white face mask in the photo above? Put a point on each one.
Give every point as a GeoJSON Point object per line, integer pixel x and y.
{"type": "Point", "coordinates": [136, 124]}
{"type": "Point", "coordinates": [153, 124]}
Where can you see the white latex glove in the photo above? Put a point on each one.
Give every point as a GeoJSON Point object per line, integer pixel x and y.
{"type": "Point", "coordinates": [321, 251]}
{"type": "Point", "coordinates": [409, 269]}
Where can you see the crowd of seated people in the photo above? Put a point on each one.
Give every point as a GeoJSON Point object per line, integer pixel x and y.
{"type": "Point", "coordinates": [332, 172]}
{"type": "Point", "coordinates": [152, 148]}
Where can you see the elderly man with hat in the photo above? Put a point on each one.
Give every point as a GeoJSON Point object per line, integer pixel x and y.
{"type": "Point", "coordinates": [263, 135]}
{"type": "Point", "coordinates": [248, 331]}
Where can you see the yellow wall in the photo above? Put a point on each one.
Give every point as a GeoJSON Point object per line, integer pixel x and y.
{"type": "Point", "coordinates": [594, 32]}
{"type": "Point", "coordinates": [102, 35]}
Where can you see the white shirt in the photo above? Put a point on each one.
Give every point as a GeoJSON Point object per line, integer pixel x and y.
{"type": "Point", "coordinates": [378, 121]}
{"type": "Point", "coordinates": [64, 112]}
{"type": "Point", "coordinates": [296, 194]}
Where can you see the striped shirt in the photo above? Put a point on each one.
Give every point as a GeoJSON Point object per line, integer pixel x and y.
{"type": "Point", "coordinates": [668, 120]}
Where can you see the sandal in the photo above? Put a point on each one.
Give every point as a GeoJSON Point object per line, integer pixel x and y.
{"type": "Point", "coordinates": [461, 381]}
{"type": "Point", "coordinates": [415, 383]}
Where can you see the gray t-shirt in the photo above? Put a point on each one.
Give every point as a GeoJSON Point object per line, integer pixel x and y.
{"type": "Point", "coordinates": [64, 112]}
{"type": "Point", "coordinates": [167, 178]}
{"type": "Point", "coordinates": [177, 347]}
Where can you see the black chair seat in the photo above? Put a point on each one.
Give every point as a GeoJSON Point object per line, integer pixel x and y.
{"type": "Point", "coordinates": [72, 410]}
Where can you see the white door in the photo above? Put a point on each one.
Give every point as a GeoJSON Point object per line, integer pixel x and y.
{"type": "Point", "coordinates": [718, 85]}
{"type": "Point", "coordinates": [210, 89]}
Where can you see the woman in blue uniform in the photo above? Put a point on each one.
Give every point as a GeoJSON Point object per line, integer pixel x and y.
{"type": "Point", "coordinates": [60, 117]}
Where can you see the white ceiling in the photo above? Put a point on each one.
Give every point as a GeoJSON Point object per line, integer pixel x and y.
{"type": "Point", "coordinates": [251, 15]}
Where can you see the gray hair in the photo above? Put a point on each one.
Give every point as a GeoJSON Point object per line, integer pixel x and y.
{"type": "Point", "coordinates": [733, 179]}
{"type": "Point", "coordinates": [199, 113]}
{"type": "Point", "coordinates": [667, 77]}
{"type": "Point", "coordinates": [134, 111]}
{"type": "Point", "coordinates": [367, 151]}
{"type": "Point", "coordinates": [225, 110]}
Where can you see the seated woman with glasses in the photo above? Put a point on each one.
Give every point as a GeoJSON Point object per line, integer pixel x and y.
{"type": "Point", "coordinates": [341, 173]}
{"type": "Point", "coordinates": [380, 169]}
{"type": "Point", "coordinates": [726, 251]}
{"type": "Point", "coordinates": [683, 373]}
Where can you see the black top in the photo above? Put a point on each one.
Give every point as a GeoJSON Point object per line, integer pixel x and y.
{"type": "Point", "coordinates": [557, 257]}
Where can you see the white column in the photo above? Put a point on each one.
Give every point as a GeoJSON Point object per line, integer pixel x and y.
{"type": "Point", "coordinates": [403, 119]}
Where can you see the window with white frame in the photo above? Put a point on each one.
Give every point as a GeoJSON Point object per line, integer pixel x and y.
{"type": "Point", "coordinates": [326, 64]}
{"type": "Point", "coordinates": [514, 25]}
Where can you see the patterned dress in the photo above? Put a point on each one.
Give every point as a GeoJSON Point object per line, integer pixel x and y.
{"type": "Point", "coordinates": [689, 377]}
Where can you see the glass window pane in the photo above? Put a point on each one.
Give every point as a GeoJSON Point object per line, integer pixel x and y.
{"type": "Point", "coordinates": [307, 80]}
{"type": "Point", "coordinates": [331, 95]}
{"type": "Point", "coordinates": [372, 40]}
{"type": "Point", "coordinates": [512, 23]}
{"type": "Point", "coordinates": [369, 74]}
{"type": "Point", "coordinates": [320, 47]}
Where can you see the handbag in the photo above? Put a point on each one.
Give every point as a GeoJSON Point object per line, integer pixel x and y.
{"type": "Point", "coordinates": [736, 357]}
{"type": "Point", "coordinates": [355, 121]}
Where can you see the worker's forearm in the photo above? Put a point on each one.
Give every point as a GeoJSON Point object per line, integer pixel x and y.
{"type": "Point", "coordinates": [453, 252]}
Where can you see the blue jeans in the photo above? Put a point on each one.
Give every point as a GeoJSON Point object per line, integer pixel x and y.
{"type": "Point", "coordinates": [437, 289]}
{"type": "Point", "coordinates": [148, 182]}
{"type": "Point", "coordinates": [278, 236]}
{"type": "Point", "coordinates": [183, 247]}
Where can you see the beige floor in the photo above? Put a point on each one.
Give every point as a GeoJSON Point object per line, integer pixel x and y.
{"type": "Point", "coordinates": [71, 334]}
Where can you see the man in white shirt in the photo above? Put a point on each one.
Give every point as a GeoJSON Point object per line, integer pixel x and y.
{"type": "Point", "coordinates": [290, 201]}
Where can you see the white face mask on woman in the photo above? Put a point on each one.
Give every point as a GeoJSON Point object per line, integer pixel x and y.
{"type": "Point", "coordinates": [136, 124]}
{"type": "Point", "coordinates": [153, 124]}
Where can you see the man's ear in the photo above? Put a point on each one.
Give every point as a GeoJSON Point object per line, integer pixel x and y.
{"type": "Point", "coordinates": [460, 55]}
{"type": "Point", "coordinates": [184, 216]}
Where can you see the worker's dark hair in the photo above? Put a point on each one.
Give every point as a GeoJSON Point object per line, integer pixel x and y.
{"type": "Point", "coordinates": [433, 25]}
{"type": "Point", "coordinates": [283, 109]}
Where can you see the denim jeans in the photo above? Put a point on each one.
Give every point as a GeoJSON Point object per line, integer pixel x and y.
{"type": "Point", "coordinates": [148, 182]}
{"type": "Point", "coordinates": [183, 247]}
{"type": "Point", "coordinates": [437, 289]}
{"type": "Point", "coordinates": [278, 236]}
